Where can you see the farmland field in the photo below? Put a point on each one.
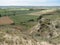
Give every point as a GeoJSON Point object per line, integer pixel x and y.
{"type": "Point", "coordinates": [23, 20]}
{"type": "Point", "coordinates": [20, 17]}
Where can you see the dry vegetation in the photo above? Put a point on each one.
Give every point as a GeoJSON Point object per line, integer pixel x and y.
{"type": "Point", "coordinates": [11, 36]}
{"type": "Point", "coordinates": [45, 31]}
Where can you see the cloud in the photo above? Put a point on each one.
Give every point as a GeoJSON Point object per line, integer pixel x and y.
{"type": "Point", "coordinates": [29, 2]}
{"type": "Point", "coordinates": [7, 2]}
{"type": "Point", "coordinates": [32, 0]}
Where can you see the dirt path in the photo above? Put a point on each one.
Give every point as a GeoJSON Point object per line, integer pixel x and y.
{"type": "Point", "coordinates": [34, 28]}
{"type": "Point", "coordinates": [43, 12]}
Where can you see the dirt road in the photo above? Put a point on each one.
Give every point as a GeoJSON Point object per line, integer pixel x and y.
{"type": "Point", "coordinates": [34, 28]}
{"type": "Point", "coordinates": [43, 12]}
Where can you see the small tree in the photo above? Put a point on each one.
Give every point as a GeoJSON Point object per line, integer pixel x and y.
{"type": "Point", "coordinates": [0, 15]}
{"type": "Point", "coordinates": [14, 13]}
{"type": "Point", "coordinates": [40, 17]}
{"type": "Point", "coordinates": [31, 20]}
{"type": "Point", "coordinates": [31, 9]}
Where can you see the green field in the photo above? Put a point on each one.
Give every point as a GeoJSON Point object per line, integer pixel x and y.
{"type": "Point", "coordinates": [9, 12]}
{"type": "Point", "coordinates": [21, 17]}
{"type": "Point", "coordinates": [23, 20]}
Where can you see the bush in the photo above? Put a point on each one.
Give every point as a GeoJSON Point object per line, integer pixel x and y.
{"type": "Point", "coordinates": [0, 15]}
{"type": "Point", "coordinates": [39, 17]}
{"type": "Point", "coordinates": [31, 20]}
{"type": "Point", "coordinates": [31, 9]}
{"type": "Point", "coordinates": [57, 26]}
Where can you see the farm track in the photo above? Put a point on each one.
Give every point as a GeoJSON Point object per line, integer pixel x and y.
{"type": "Point", "coordinates": [43, 12]}
{"type": "Point", "coordinates": [34, 28]}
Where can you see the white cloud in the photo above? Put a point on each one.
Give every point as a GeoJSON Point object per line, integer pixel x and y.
{"type": "Point", "coordinates": [32, 0]}
{"type": "Point", "coordinates": [7, 2]}
{"type": "Point", "coordinates": [26, 2]}
{"type": "Point", "coordinates": [19, 2]}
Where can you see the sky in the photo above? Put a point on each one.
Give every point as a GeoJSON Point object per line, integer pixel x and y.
{"type": "Point", "coordinates": [29, 2]}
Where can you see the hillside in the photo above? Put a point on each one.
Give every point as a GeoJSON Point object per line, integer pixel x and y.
{"type": "Point", "coordinates": [29, 29]}
{"type": "Point", "coordinates": [11, 36]}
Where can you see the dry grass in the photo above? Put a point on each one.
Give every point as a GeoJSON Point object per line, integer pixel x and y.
{"type": "Point", "coordinates": [11, 36]}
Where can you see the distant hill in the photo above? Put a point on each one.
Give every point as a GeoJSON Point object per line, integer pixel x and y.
{"type": "Point", "coordinates": [29, 6]}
